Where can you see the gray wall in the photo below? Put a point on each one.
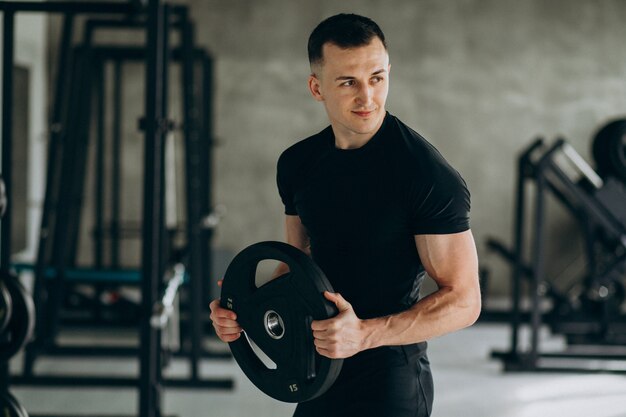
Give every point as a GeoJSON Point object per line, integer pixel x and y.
{"type": "Point", "coordinates": [478, 78]}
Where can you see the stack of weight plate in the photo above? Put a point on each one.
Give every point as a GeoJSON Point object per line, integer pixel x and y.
{"type": "Point", "coordinates": [17, 321]}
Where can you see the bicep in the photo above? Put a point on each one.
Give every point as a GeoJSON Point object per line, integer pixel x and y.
{"type": "Point", "coordinates": [296, 234]}
{"type": "Point", "coordinates": [449, 259]}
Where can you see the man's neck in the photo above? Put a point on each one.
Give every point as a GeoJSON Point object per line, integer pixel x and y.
{"type": "Point", "coordinates": [346, 139]}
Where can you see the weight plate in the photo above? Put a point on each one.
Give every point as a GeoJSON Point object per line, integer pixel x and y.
{"type": "Point", "coordinates": [277, 318]}
{"type": "Point", "coordinates": [10, 407]}
{"type": "Point", "coordinates": [21, 325]}
{"type": "Point", "coordinates": [5, 306]}
{"type": "Point", "coordinates": [618, 154]}
{"type": "Point", "coordinates": [609, 149]}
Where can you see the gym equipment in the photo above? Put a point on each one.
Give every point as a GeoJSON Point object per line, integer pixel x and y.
{"type": "Point", "coordinates": [609, 149]}
{"type": "Point", "coordinates": [5, 307]}
{"type": "Point", "coordinates": [3, 197]}
{"type": "Point", "coordinates": [590, 313]}
{"type": "Point", "coordinates": [66, 173]}
{"type": "Point", "coordinates": [10, 406]}
{"type": "Point", "coordinates": [19, 329]}
{"type": "Point", "coordinates": [277, 318]}
{"type": "Point", "coordinates": [164, 309]}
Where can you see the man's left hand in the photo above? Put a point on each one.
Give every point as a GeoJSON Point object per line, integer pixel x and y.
{"type": "Point", "coordinates": [341, 336]}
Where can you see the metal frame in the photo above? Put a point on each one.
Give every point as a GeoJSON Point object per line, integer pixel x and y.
{"type": "Point", "coordinates": [158, 54]}
{"type": "Point", "coordinates": [7, 126]}
{"type": "Point", "coordinates": [547, 176]}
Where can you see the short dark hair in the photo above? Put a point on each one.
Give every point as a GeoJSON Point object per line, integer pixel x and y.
{"type": "Point", "coordinates": [344, 30]}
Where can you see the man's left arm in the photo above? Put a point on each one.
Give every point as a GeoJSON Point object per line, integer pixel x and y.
{"type": "Point", "coordinates": [451, 261]}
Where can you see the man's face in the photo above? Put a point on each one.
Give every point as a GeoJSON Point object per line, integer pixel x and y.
{"type": "Point", "coordinates": [353, 85]}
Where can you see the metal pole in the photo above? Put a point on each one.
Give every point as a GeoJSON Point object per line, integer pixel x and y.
{"type": "Point", "coordinates": [207, 152]}
{"type": "Point", "coordinates": [538, 266]}
{"type": "Point", "coordinates": [54, 162]}
{"type": "Point", "coordinates": [116, 164]}
{"type": "Point", "coordinates": [99, 179]}
{"type": "Point", "coordinates": [68, 7]}
{"type": "Point", "coordinates": [150, 342]}
{"type": "Point", "coordinates": [7, 136]}
{"type": "Point", "coordinates": [518, 251]}
{"type": "Point", "coordinates": [193, 193]}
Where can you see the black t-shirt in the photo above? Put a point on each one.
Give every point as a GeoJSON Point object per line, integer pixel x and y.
{"type": "Point", "coordinates": [362, 207]}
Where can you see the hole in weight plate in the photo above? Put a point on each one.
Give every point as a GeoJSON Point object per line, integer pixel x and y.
{"type": "Point", "coordinates": [265, 271]}
{"type": "Point", "coordinates": [274, 325]}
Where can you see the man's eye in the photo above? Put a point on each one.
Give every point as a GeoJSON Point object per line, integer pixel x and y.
{"type": "Point", "coordinates": [377, 79]}
{"type": "Point", "coordinates": [348, 83]}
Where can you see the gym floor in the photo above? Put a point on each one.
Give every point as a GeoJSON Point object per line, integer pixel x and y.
{"type": "Point", "coordinates": [467, 381]}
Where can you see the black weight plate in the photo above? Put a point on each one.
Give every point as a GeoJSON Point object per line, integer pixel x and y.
{"type": "Point", "coordinates": [5, 307]}
{"type": "Point", "coordinates": [20, 328]}
{"type": "Point", "coordinates": [617, 151]}
{"type": "Point", "coordinates": [609, 149]}
{"type": "Point", "coordinates": [10, 407]}
{"type": "Point", "coordinates": [277, 318]}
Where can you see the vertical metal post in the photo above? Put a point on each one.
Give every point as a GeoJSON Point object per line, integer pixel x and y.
{"type": "Point", "coordinates": [193, 182]}
{"type": "Point", "coordinates": [54, 162]}
{"type": "Point", "coordinates": [518, 253]}
{"type": "Point", "coordinates": [207, 153]}
{"type": "Point", "coordinates": [150, 342]}
{"type": "Point", "coordinates": [7, 134]}
{"type": "Point", "coordinates": [66, 216]}
{"type": "Point", "coordinates": [116, 164]}
{"type": "Point", "coordinates": [99, 178]}
{"type": "Point", "coordinates": [83, 137]}
{"type": "Point", "coordinates": [538, 265]}
{"type": "Point", "coordinates": [7, 153]}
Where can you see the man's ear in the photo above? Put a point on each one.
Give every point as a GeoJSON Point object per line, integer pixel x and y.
{"type": "Point", "coordinates": [315, 88]}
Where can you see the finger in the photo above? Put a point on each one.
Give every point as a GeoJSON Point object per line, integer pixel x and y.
{"type": "Point", "coordinates": [320, 325]}
{"type": "Point", "coordinates": [224, 322]}
{"type": "Point", "coordinates": [340, 302]}
{"type": "Point", "coordinates": [223, 313]}
{"type": "Point", "coordinates": [221, 330]}
{"type": "Point", "coordinates": [217, 311]}
{"type": "Point", "coordinates": [230, 338]}
{"type": "Point", "coordinates": [219, 283]}
{"type": "Point", "coordinates": [324, 352]}
{"type": "Point", "coordinates": [321, 335]}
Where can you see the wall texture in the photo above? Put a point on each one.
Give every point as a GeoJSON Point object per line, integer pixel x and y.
{"type": "Point", "coordinates": [479, 78]}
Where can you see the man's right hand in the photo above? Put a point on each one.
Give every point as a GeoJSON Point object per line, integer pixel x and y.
{"type": "Point", "coordinates": [224, 321]}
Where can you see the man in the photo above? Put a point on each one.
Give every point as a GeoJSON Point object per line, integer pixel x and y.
{"type": "Point", "coordinates": [376, 206]}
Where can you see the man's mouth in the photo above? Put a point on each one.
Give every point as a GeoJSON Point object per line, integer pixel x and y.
{"type": "Point", "coordinates": [363, 113]}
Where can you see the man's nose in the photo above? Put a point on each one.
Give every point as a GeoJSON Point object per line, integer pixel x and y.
{"type": "Point", "coordinates": [365, 94]}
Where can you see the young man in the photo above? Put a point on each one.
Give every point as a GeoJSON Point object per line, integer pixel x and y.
{"type": "Point", "coordinates": [377, 207]}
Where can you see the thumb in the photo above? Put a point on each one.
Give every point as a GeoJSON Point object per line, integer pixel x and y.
{"type": "Point", "coordinates": [340, 302]}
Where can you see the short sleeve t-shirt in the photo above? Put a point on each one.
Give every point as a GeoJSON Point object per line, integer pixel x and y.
{"type": "Point", "coordinates": [362, 208]}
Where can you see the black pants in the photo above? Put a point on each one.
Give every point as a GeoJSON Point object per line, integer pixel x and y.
{"type": "Point", "coordinates": [383, 382]}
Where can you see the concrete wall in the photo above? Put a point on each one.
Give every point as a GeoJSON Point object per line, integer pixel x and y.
{"type": "Point", "coordinates": [478, 78]}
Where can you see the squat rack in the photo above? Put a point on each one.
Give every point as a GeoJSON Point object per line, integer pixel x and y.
{"type": "Point", "coordinates": [155, 126]}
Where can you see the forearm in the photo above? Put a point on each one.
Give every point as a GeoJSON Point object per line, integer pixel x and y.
{"type": "Point", "coordinates": [444, 311]}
